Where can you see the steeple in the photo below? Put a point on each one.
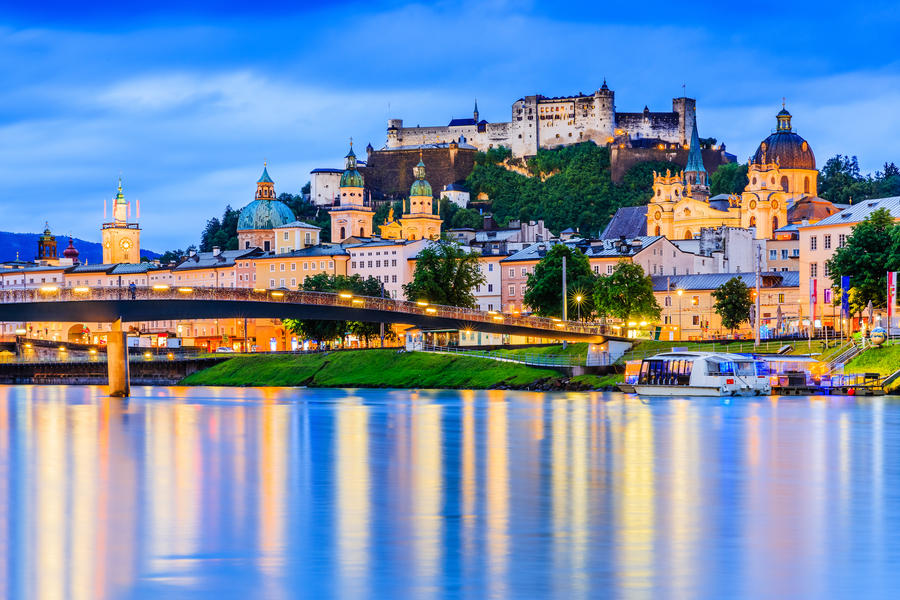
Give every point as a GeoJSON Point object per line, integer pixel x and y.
{"type": "Point", "coordinates": [695, 175]}
{"type": "Point", "coordinates": [476, 110]}
{"type": "Point", "coordinates": [265, 187]}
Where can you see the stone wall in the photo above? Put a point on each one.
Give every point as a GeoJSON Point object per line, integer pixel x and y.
{"type": "Point", "coordinates": [622, 159]}
{"type": "Point", "coordinates": [389, 173]}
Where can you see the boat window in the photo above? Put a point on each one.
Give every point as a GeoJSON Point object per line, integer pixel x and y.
{"type": "Point", "coordinates": [745, 369]}
{"type": "Point", "coordinates": [724, 367]}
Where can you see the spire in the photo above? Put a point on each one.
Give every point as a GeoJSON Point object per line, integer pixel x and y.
{"type": "Point", "coordinates": [350, 163]}
{"type": "Point", "coordinates": [695, 158]}
{"type": "Point", "coordinates": [476, 110]}
{"type": "Point", "coordinates": [120, 197]}
{"type": "Point", "coordinates": [264, 178]}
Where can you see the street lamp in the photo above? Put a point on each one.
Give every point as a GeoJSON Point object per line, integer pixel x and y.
{"type": "Point", "coordinates": [578, 299]}
{"type": "Point", "coordinates": [680, 329]}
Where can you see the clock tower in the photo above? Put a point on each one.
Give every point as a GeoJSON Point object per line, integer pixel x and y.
{"type": "Point", "coordinates": [121, 239]}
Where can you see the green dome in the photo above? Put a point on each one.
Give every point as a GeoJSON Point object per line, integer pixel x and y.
{"type": "Point", "coordinates": [265, 214]}
{"type": "Point", "coordinates": [420, 187]}
{"type": "Point", "coordinates": [351, 178]}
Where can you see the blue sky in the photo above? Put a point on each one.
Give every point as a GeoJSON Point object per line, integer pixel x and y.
{"type": "Point", "coordinates": [186, 102]}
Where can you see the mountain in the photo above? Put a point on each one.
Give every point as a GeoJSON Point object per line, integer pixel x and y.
{"type": "Point", "coordinates": [26, 245]}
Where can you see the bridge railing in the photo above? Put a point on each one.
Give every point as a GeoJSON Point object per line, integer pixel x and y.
{"type": "Point", "coordinates": [50, 293]}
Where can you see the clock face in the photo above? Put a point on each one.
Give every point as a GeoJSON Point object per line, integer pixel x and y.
{"type": "Point", "coordinates": [126, 244]}
{"type": "Point", "coordinates": [774, 203]}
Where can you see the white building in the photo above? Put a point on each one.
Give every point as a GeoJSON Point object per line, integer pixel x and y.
{"type": "Point", "coordinates": [323, 186]}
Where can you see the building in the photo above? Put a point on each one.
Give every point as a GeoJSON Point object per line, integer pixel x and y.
{"type": "Point", "coordinates": [783, 250]}
{"type": "Point", "coordinates": [421, 214]}
{"type": "Point", "coordinates": [457, 194]}
{"type": "Point", "coordinates": [216, 269]}
{"type": "Point", "coordinates": [121, 240]}
{"type": "Point", "coordinates": [781, 190]}
{"type": "Point", "coordinates": [391, 261]}
{"type": "Point", "coordinates": [295, 235]}
{"type": "Point", "coordinates": [489, 295]}
{"type": "Point", "coordinates": [289, 270]}
{"type": "Point", "coordinates": [46, 253]}
{"type": "Point", "coordinates": [517, 235]}
{"type": "Point", "coordinates": [352, 213]}
{"type": "Point", "coordinates": [688, 311]}
{"type": "Point", "coordinates": [725, 250]}
{"type": "Point", "coordinates": [543, 122]}
{"type": "Point", "coordinates": [324, 186]}
{"type": "Point", "coordinates": [258, 220]}
{"type": "Point", "coordinates": [819, 241]}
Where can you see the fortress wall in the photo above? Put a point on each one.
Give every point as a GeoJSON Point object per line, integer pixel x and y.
{"type": "Point", "coordinates": [622, 159]}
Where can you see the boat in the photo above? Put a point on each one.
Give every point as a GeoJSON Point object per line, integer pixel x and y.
{"type": "Point", "coordinates": [698, 374]}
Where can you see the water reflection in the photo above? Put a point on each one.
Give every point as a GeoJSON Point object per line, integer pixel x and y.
{"type": "Point", "coordinates": [371, 494]}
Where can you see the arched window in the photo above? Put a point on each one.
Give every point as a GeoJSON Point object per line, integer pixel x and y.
{"type": "Point", "coordinates": [688, 235]}
{"type": "Point", "coordinates": [362, 232]}
{"type": "Point", "coordinates": [657, 231]}
{"type": "Point", "coordinates": [784, 182]}
{"type": "Point", "coordinates": [774, 226]}
{"type": "Point", "coordinates": [343, 233]}
{"type": "Point", "coordinates": [806, 185]}
{"type": "Point", "coordinates": [752, 221]}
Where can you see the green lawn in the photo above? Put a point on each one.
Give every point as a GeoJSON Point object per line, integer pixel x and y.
{"type": "Point", "coordinates": [883, 361]}
{"type": "Point", "coordinates": [369, 368]}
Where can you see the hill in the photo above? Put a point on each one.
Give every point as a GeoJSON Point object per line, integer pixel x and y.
{"type": "Point", "coordinates": [26, 246]}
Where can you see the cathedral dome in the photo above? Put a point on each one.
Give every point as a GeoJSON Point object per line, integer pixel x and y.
{"type": "Point", "coordinates": [785, 147]}
{"type": "Point", "coordinates": [420, 187]}
{"type": "Point", "coordinates": [70, 251]}
{"type": "Point", "coordinates": [351, 177]}
{"type": "Point", "coordinates": [265, 214]}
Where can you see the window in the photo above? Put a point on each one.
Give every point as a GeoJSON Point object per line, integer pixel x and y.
{"type": "Point", "coordinates": [281, 267]}
{"type": "Point", "coordinates": [842, 240]}
{"type": "Point", "coordinates": [293, 266]}
{"type": "Point", "coordinates": [490, 266]}
{"type": "Point", "coordinates": [780, 298]}
{"type": "Point", "coordinates": [307, 238]}
{"type": "Point", "coordinates": [826, 270]}
{"type": "Point", "coordinates": [370, 264]}
{"type": "Point", "coordinates": [812, 243]}
{"type": "Point", "coordinates": [378, 263]}
{"type": "Point", "coordinates": [272, 268]}
{"type": "Point", "coordinates": [695, 300]}
{"type": "Point", "coordinates": [668, 301]}
{"type": "Point", "coordinates": [695, 320]}
{"type": "Point", "coordinates": [813, 270]}
{"type": "Point", "coordinates": [596, 268]}
{"type": "Point", "coordinates": [322, 264]}
{"type": "Point", "coordinates": [795, 252]}
{"type": "Point", "coordinates": [293, 282]}
{"type": "Point", "coordinates": [306, 266]}
{"type": "Point", "coordinates": [773, 254]}
{"type": "Point", "coordinates": [512, 290]}
{"type": "Point", "coordinates": [282, 283]}
{"type": "Point", "coordinates": [393, 278]}
{"type": "Point", "coordinates": [512, 272]}
{"type": "Point", "coordinates": [285, 236]}
{"type": "Point", "coordinates": [271, 283]}
{"type": "Point", "coordinates": [827, 242]}
{"type": "Point", "coordinates": [784, 254]}
{"type": "Point", "coordinates": [609, 269]}
{"type": "Point", "coordinates": [490, 287]}
{"type": "Point", "coordinates": [524, 271]}
{"type": "Point", "coordinates": [353, 265]}
{"type": "Point", "coordinates": [330, 264]}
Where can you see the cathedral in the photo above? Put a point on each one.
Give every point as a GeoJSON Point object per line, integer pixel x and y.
{"type": "Point", "coordinates": [421, 216]}
{"type": "Point", "coordinates": [781, 190]}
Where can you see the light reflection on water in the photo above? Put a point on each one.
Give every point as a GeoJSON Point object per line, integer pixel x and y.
{"type": "Point", "coordinates": [374, 494]}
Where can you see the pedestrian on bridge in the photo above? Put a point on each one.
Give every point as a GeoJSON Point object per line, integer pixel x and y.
{"type": "Point", "coordinates": [133, 289]}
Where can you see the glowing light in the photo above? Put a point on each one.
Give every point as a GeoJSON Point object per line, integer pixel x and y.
{"type": "Point", "coordinates": [422, 303]}
{"type": "Point", "coordinates": [357, 301]}
{"type": "Point", "coordinates": [345, 295]}
{"type": "Point", "coordinates": [185, 290]}
{"type": "Point", "coordinates": [430, 310]}
{"type": "Point", "coordinates": [147, 355]}
{"type": "Point", "coordinates": [62, 348]}
{"type": "Point", "coordinates": [259, 290]}
{"type": "Point", "coordinates": [49, 288]}
{"type": "Point", "coordinates": [160, 287]}
{"type": "Point", "coordinates": [93, 351]}
{"type": "Point", "coordinates": [82, 290]}
{"type": "Point", "coordinates": [277, 294]}
{"type": "Point", "coordinates": [170, 356]}
{"type": "Point", "coordinates": [632, 324]}
{"type": "Point", "coordinates": [579, 298]}
{"type": "Point", "coordinates": [498, 318]}
{"type": "Point", "coordinates": [680, 292]}
{"type": "Point", "coordinates": [643, 323]}
{"type": "Point", "coordinates": [21, 331]}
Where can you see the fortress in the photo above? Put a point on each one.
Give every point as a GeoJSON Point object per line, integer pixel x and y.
{"type": "Point", "coordinates": [541, 122]}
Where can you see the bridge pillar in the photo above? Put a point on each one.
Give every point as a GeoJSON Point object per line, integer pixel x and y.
{"type": "Point", "coordinates": [117, 361]}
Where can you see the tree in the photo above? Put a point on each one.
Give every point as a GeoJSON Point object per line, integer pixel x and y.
{"type": "Point", "coordinates": [445, 274]}
{"type": "Point", "coordinates": [322, 330]}
{"type": "Point", "coordinates": [733, 303]}
{"type": "Point", "coordinates": [840, 180]}
{"type": "Point", "coordinates": [872, 250]}
{"type": "Point", "coordinates": [626, 293]}
{"type": "Point", "coordinates": [729, 178]}
{"type": "Point", "coordinates": [543, 292]}
{"type": "Point", "coordinates": [456, 217]}
{"type": "Point", "coordinates": [173, 256]}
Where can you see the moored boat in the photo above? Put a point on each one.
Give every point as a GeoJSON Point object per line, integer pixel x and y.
{"type": "Point", "coordinates": [699, 374]}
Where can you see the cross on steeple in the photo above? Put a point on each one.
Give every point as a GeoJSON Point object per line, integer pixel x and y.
{"type": "Point", "coordinates": [783, 101]}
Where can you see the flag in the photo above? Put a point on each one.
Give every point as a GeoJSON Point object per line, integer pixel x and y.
{"type": "Point", "coordinates": [891, 296]}
{"type": "Point", "coordinates": [812, 301]}
{"type": "Point", "coordinates": [845, 298]}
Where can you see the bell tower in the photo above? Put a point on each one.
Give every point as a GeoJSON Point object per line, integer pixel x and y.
{"type": "Point", "coordinates": [421, 214]}
{"type": "Point", "coordinates": [696, 184]}
{"type": "Point", "coordinates": [121, 239]}
{"type": "Point", "coordinates": [668, 189]}
{"type": "Point", "coordinates": [351, 214]}
{"type": "Point", "coordinates": [47, 247]}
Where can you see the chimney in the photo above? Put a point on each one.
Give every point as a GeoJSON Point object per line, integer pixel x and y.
{"type": "Point", "coordinates": [216, 251]}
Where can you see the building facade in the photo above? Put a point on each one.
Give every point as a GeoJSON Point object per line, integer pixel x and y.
{"type": "Point", "coordinates": [121, 239]}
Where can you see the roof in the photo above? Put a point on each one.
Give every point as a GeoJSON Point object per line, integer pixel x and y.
{"type": "Point", "coordinates": [326, 170]}
{"type": "Point", "coordinates": [206, 260]}
{"type": "Point", "coordinates": [302, 224]}
{"type": "Point", "coordinates": [711, 281]}
{"type": "Point", "coordinates": [591, 248]}
{"type": "Point", "coordinates": [461, 144]}
{"type": "Point", "coordinates": [859, 212]}
{"type": "Point", "coordinates": [695, 159]}
{"type": "Point", "coordinates": [785, 147]}
{"type": "Point", "coordinates": [461, 122]}
{"type": "Point", "coordinates": [317, 250]}
{"type": "Point", "coordinates": [264, 214]}
{"type": "Point", "coordinates": [455, 187]}
{"type": "Point", "coordinates": [629, 222]}
{"type": "Point", "coordinates": [810, 208]}
{"type": "Point", "coordinates": [264, 178]}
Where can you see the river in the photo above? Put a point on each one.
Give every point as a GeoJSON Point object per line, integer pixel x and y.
{"type": "Point", "coordinates": [277, 493]}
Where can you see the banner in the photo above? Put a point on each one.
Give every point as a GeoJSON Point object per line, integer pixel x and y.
{"type": "Point", "coordinates": [845, 298]}
{"type": "Point", "coordinates": [891, 297]}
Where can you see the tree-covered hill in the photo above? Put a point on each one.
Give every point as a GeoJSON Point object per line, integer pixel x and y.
{"type": "Point", "coordinates": [571, 187]}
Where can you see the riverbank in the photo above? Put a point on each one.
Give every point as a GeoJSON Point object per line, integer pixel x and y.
{"type": "Point", "coordinates": [389, 369]}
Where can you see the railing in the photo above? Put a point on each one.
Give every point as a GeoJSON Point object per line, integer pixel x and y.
{"type": "Point", "coordinates": [52, 293]}
{"type": "Point", "coordinates": [539, 360]}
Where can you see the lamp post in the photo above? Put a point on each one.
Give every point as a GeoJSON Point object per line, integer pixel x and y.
{"type": "Point", "coordinates": [578, 299]}
{"type": "Point", "coordinates": [680, 329]}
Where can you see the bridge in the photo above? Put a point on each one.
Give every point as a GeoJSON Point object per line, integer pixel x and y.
{"type": "Point", "coordinates": [163, 303]}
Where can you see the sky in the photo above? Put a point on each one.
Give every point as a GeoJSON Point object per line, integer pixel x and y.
{"type": "Point", "coordinates": [186, 100]}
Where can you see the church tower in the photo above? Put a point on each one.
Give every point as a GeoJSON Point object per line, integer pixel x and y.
{"type": "Point", "coordinates": [121, 239]}
{"type": "Point", "coordinates": [668, 189]}
{"type": "Point", "coordinates": [476, 111]}
{"type": "Point", "coordinates": [46, 254]}
{"type": "Point", "coordinates": [696, 185]}
{"type": "Point", "coordinates": [351, 214]}
{"type": "Point", "coordinates": [421, 214]}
